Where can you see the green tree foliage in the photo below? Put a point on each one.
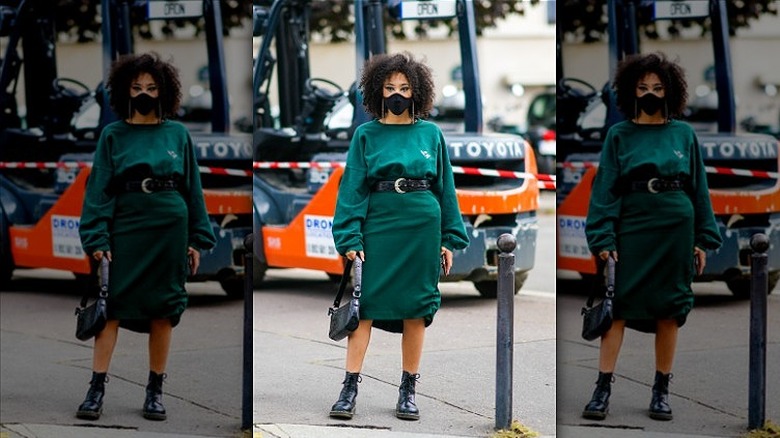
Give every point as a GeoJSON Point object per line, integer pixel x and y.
{"type": "Point", "coordinates": [332, 19]}
{"type": "Point", "coordinates": [79, 20]}
{"type": "Point", "coordinates": [586, 20]}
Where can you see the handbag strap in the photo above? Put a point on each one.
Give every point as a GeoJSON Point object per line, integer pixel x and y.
{"type": "Point", "coordinates": [344, 281]}
{"type": "Point", "coordinates": [103, 279]}
{"type": "Point", "coordinates": [600, 280]}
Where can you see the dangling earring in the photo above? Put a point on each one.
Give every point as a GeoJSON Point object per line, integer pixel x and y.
{"type": "Point", "coordinates": [382, 116]}
{"type": "Point", "coordinates": [636, 109]}
{"type": "Point", "coordinates": [159, 112]}
{"type": "Point", "coordinates": [129, 109]}
{"type": "Point", "coordinates": [666, 110]}
{"type": "Point", "coordinates": [411, 115]}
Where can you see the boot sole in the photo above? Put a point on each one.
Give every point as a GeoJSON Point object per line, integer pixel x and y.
{"type": "Point", "coordinates": [594, 415]}
{"type": "Point", "coordinates": [660, 416]}
{"type": "Point", "coordinates": [407, 416]}
{"type": "Point", "coordinates": [343, 415]}
{"type": "Point", "coordinates": [89, 415]}
{"type": "Point", "coordinates": [154, 417]}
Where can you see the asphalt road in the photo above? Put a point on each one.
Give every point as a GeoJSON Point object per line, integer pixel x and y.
{"type": "Point", "coordinates": [298, 370]}
{"type": "Point", "coordinates": [45, 370]}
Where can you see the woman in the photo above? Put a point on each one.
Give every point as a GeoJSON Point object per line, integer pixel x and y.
{"type": "Point", "coordinates": [649, 210]}
{"type": "Point", "coordinates": [144, 211]}
{"type": "Point", "coordinates": [398, 212]}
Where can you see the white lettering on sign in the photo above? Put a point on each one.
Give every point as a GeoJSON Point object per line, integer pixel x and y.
{"type": "Point", "coordinates": [571, 237]}
{"type": "Point", "coordinates": [162, 10]}
{"type": "Point", "coordinates": [485, 149]}
{"type": "Point", "coordinates": [224, 149]}
{"type": "Point", "coordinates": [318, 234]}
{"type": "Point", "coordinates": [420, 10]}
{"type": "Point", "coordinates": [740, 149]}
{"type": "Point", "coordinates": [674, 10]}
{"type": "Point", "coordinates": [65, 237]}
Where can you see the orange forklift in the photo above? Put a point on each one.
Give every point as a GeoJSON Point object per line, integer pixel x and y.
{"type": "Point", "coordinates": [49, 126]}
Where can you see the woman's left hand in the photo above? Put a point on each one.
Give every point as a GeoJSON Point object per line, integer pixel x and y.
{"type": "Point", "coordinates": [447, 260]}
{"type": "Point", "coordinates": [700, 259]}
{"type": "Point", "coordinates": [194, 259]}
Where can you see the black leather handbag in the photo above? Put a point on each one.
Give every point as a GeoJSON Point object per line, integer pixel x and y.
{"type": "Point", "coordinates": [90, 320]}
{"type": "Point", "coordinates": [596, 320]}
{"type": "Point", "coordinates": [345, 319]}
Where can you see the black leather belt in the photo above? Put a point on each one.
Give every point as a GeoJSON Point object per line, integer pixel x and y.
{"type": "Point", "coordinates": [402, 185]}
{"type": "Point", "coordinates": [149, 185]}
{"type": "Point", "coordinates": [657, 185]}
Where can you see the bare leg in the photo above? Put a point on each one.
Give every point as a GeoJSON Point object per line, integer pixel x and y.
{"type": "Point", "coordinates": [105, 341]}
{"type": "Point", "coordinates": [357, 344]}
{"type": "Point", "coordinates": [159, 344]}
{"type": "Point", "coordinates": [610, 346]}
{"type": "Point", "coordinates": [412, 344]}
{"type": "Point", "coordinates": [665, 345]}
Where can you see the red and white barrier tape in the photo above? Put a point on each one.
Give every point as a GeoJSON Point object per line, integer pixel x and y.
{"type": "Point", "coordinates": [83, 164]}
{"type": "Point", "coordinates": [708, 169]}
{"type": "Point", "coordinates": [545, 181]}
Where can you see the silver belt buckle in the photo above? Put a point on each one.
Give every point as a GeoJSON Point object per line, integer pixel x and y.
{"type": "Point", "coordinates": [650, 185]}
{"type": "Point", "coordinates": [397, 185]}
{"type": "Point", "coordinates": [144, 185]}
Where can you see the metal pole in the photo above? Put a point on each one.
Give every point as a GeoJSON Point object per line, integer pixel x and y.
{"type": "Point", "coordinates": [246, 393]}
{"type": "Point", "coordinates": [505, 330]}
{"type": "Point", "coordinates": [759, 285]}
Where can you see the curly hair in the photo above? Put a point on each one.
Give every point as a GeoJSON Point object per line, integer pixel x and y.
{"type": "Point", "coordinates": [634, 67]}
{"type": "Point", "coordinates": [127, 68]}
{"type": "Point", "coordinates": [379, 68]}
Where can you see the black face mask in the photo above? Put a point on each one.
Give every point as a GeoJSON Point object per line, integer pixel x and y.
{"type": "Point", "coordinates": [650, 103]}
{"type": "Point", "coordinates": [397, 104]}
{"type": "Point", "coordinates": [144, 103]}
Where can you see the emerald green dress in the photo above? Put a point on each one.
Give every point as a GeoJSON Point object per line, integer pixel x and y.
{"type": "Point", "coordinates": [401, 234]}
{"type": "Point", "coordinates": [654, 233]}
{"type": "Point", "coordinates": [147, 233]}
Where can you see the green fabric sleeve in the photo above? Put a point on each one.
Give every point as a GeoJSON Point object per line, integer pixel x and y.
{"type": "Point", "coordinates": [200, 233]}
{"type": "Point", "coordinates": [706, 233]}
{"type": "Point", "coordinates": [453, 232]}
{"type": "Point", "coordinates": [97, 210]}
{"type": "Point", "coordinates": [604, 208]}
{"type": "Point", "coordinates": [352, 200]}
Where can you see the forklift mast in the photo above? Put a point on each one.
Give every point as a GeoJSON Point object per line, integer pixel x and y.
{"type": "Point", "coordinates": [623, 33]}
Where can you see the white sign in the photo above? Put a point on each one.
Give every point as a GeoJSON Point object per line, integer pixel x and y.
{"type": "Point", "coordinates": [165, 10]}
{"type": "Point", "coordinates": [318, 233]}
{"type": "Point", "coordinates": [571, 237]}
{"type": "Point", "coordinates": [65, 237]}
{"type": "Point", "coordinates": [676, 10]}
{"type": "Point", "coordinates": [421, 10]}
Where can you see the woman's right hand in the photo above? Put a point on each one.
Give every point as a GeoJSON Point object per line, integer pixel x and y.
{"type": "Point", "coordinates": [351, 255]}
{"type": "Point", "coordinates": [604, 255]}
{"type": "Point", "coordinates": [98, 255]}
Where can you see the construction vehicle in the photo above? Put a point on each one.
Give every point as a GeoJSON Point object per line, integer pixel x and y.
{"type": "Point", "coordinates": [49, 127]}
{"type": "Point", "coordinates": [299, 148]}
{"type": "Point", "coordinates": [742, 168]}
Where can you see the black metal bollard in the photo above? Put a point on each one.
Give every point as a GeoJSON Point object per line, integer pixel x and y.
{"type": "Point", "coordinates": [505, 330]}
{"type": "Point", "coordinates": [759, 285]}
{"type": "Point", "coordinates": [246, 393]}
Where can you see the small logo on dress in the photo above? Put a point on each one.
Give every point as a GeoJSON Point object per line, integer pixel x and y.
{"type": "Point", "coordinates": [679, 154]}
{"type": "Point", "coordinates": [172, 154]}
{"type": "Point", "coordinates": [425, 154]}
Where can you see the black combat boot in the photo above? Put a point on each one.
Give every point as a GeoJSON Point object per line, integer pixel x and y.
{"type": "Point", "coordinates": [92, 406]}
{"type": "Point", "coordinates": [406, 409]}
{"type": "Point", "coordinates": [153, 407]}
{"type": "Point", "coordinates": [598, 406]}
{"type": "Point", "coordinates": [659, 404]}
{"type": "Point", "coordinates": [345, 406]}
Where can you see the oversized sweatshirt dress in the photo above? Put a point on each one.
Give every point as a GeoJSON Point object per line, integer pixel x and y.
{"type": "Point", "coordinates": [401, 234]}
{"type": "Point", "coordinates": [654, 233]}
{"type": "Point", "coordinates": [147, 233]}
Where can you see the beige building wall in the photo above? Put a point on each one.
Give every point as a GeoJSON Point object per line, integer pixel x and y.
{"type": "Point", "coordinates": [755, 57]}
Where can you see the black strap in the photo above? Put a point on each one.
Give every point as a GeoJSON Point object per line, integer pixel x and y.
{"type": "Point", "coordinates": [610, 280]}
{"type": "Point", "coordinates": [103, 278]}
{"type": "Point", "coordinates": [357, 281]}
